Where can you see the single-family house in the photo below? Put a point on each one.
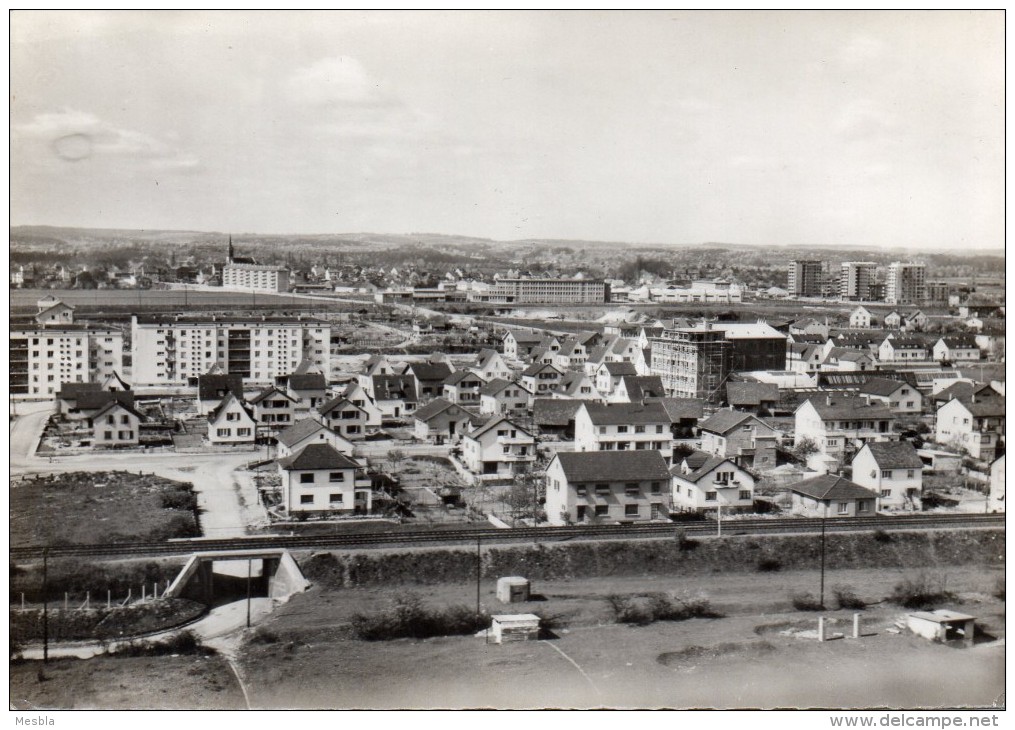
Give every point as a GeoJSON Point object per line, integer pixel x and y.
{"type": "Point", "coordinates": [622, 427]}
{"type": "Point", "coordinates": [717, 482]}
{"type": "Point", "coordinates": [846, 360]}
{"type": "Point", "coordinates": [832, 496]}
{"type": "Point", "coordinates": [637, 388]}
{"type": "Point", "coordinates": [541, 379]}
{"type": "Point", "coordinates": [861, 319]}
{"type": "Point", "coordinates": [356, 394]}
{"type": "Point", "coordinates": [212, 388]}
{"type": "Point", "coordinates": [274, 409]}
{"type": "Point", "coordinates": [914, 321]}
{"type": "Point", "coordinates": [344, 417]}
{"type": "Point", "coordinates": [429, 378]}
{"type": "Point", "coordinates": [760, 399]}
{"type": "Point", "coordinates": [498, 448]}
{"type": "Point", "coordinates": [742, 437]}
{"type": "Point", "coordinates": [310, 431]}
{"type": "Point", "coordinates": [684, 414]}
{"type": "Point", "coordinates": [609, 373]}
{"type": "Point", "coordinates": [893, 320]}
{"type": "Point", "coordinates": [904, 399]}
{"type": "Point", "coordinates": [441, 420]}
{"type": "Point", "coordinates": [803, 357]}
{"type": "Point", "coordinates": [956, 348]}
{"type": "Point", "coordinates": [57, 313]}
{"type": "Point", "coordinates": [975, 424]}
{"type": "Point", "coordinates": [318, 479]}
{"type": "Point", "coordinates": [395, 395]}
{"type": "Point", "coordinates": [519, 344]}
{"type": "Point", "coordinates": [232, 422]}
{"type": "Point", "coordinates": [116, 424]}
{"type": "Point", "coordinates": [576, 384]}
{"type": "Point", "coordinates": [463, 387]}
{"type": "Point", "coordinates": [571, 355]}
{"type": "Point", "coordinates": [555, 417]}
{"type": "Point", "coordinates": [613, 486]}
{"type": "Point", "coordinates": [891, 469]}
{"type": "Point", "coordinates": [902, 350]}
{"type": "Point", "coordinates": [839, 425]}
{"type": "Point", "coordinates": [490, 364]}
{"type": "Point", "coordinates": [503, 397]}
{"type": "Point", "coordinates": [309, 390]}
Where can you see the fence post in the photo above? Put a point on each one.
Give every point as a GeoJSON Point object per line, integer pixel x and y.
{"type": "Point", "coordinates": [22, 601]}
{"type": "Point", "coordinates": [821, 628]}
{"type": "Point", "coordinates": [109, 598]}
{"type": "Point", "coordinates": [143, 589]}
{"type": "Point", "coordinates": [66, 601]}
{"type": "Point", "coordinates": [856, 626]}
{"type": "Point", "coordinates": [155, 591]}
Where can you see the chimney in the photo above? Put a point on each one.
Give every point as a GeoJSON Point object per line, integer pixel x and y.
{"type": "Point", "coordinates": [828, 399]}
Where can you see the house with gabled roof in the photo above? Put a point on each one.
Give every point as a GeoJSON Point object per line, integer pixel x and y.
{"type": "Point", "coordinates": [429, 378]}
{"type": "Point", "coordinates": [318, 479]}
{"type": "Point", "coordinates": [684, 414]}
{"type": "Point", "coordinates": [441, 420]}
{"type": "Point", "coordinates": [607, 486]}
{"type": "Point", "coordinates": [212, 388]}
{"type": "Point", "coordinates": [503, 397]}
{"type": "Point", "coordinates": [637, 388]}
{"type": "Point", "coordinates": [489, 365]}
{"type": "Point", "coordinates": [576, 384]}
{"type": "Point", "coordinates": [956, 348]}
{"type": "Point", "coordinates": [55, 313]}
{"type": "Point", "coordinates": [309, 390]}
{"type": "Point", "coordinates": [975, 424]}
{"type": "Point", "coordinates": [893, 470]}
{"type": "Point", "coordinates": [914, 321]}
{"type": "Point", "coordinates": [743, 437]}
{"type": "Point", "coordinates": [356, 394]}
{"type": "Point", "coordinates": [232, 422]}
{"type": "Point", "coordinates": [116, 424]}
{"type": "Point", "coordinates": [715, 483]}
{"type": "Point", "coordinates": [829, 495]}
{"type": "Point", "coordinates": [274, 409]}
{"type": "Point", "coordinates": [519, 344]}
{"type": "Point", "coordinates": [622, 427]}
{"type": "Point", "coordinates": [311, 431]}
{"type": "Point", "coordinates": [804, 358]}
{"type": "Point", "coordinates": [344, 417]}
{"type": "Point", "coordinates": [541, 379]}
{"type": "Point", "coordinates": [463, 387]}
{"type": "Point", "coordinates": [498, 448]}
{"type": "Point", "coordinates": [555, 417]}
{"type": "Point", "coordinates": [609, 373]}
{"type": "Point", "coordinates": [904, 399]}
{"type": "Point", "coordinates": [861, 319]}
{"type": "Point", "coordinates": [760, 399]}
{"type": "Point", "coordinates": [571, 355]}
{"type": "Point", "coordinates": [846, 360]}
{"type": "Point", "coordinates": [902, 349]}
{"type": "Point", "coordinates": [893, 320]}
{"type": "Point", "coordinates": [840, 424]}
{"type": "Point", "coordinates": [395, 395]}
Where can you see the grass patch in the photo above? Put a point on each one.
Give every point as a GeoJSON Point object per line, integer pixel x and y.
{"type": "Point", "coordinates": [643, 610]}
{"type": "Point", "coordinates": [78, 577]}
{"type": "Point", "coordinates": [691, 653]}
{"type": "Point", "coordinates": [882, 536]}
{"type": "Point", "coordinates": [185, 642]}
{"type": "Point", "coordinates": [408, 618]}
{"type": "Point", "coordinates": [922, 592]}
{"type": "Point", "coordinates": [87, 508]}
{"type": "Point", "coordinates": [102, 623]}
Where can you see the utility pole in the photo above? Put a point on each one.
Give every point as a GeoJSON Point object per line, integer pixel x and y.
{"type": "Point", "coordinates": [479, 570]}
{"type": "Point", "coordinates": [824, 515]}
{"type": "Point", "coordinates": [249, 571]}
{"type": "Point", "coordinates": [45, 605]}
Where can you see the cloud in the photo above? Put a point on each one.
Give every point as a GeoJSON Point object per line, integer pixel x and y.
{"type": "Point", "coordinates": [74, 135]}
{"type": "Point", "coordinates": [337, 81]}
{"type": "Point", "coordinates": [862, 119]}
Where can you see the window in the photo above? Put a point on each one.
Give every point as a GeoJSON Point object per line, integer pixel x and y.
{"type": "Point", "coordinates": [579, 489]}
{"type": "Point", "coordinates": [224, 432]}
{"type": "Point", "coordinates": [639, 429]}
{"type": "Point", "coordinates": [306, 499]}
{"type": "Point", "coordinates": [843, 508]}
{"type": "Point", "coordinates": [602, 429]}
{"type": "Point", "coordinates": [745, 494]}
{"type": "Point", "coordinates": [630, 510]}
{"type": "Point", "coordinates": [602, 489]}
{"type": "Point", "coordinates": [621, 429]}
{"type": "Point", "coordinates": [307, 478]}
{"type": "Point", "coordinates": [110, 419]}
{"type": "Point", "coordinates": [886, 473]}
{"type": "Point", "coordinates": [108, 435]}
{"type": "Point", "coordinates": [863, 505]}
{"type": "Point", "coordinates": [711, 496]}
{"type": "Point", "coordinates": [886, 492]}
{"type": "Point", "coordinates": [910, 473]}
{"type": "Point", "coordinates": [659, 429]}
{"type": "Point", "coordinates": [334, 499]}
{"type": "Point", "coordinates": [655, 487]}
{"type": "Point", "coordinates": [631, 489]}
{"type": "Point", "coordinates": [243, 432]}
{"type": "Point", "coordinates": [602, 510]}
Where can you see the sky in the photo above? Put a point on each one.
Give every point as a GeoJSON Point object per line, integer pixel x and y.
{"type": "Point", "coordinates": [796, 128]}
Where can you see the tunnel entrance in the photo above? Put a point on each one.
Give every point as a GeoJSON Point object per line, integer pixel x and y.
{"type": "Point", "coordinates": [218, 578]}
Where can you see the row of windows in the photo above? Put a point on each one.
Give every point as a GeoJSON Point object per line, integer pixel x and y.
{"type": "Point", "coordinates": [333, 477]}
{"type": "Point", "coordinates": [228, 432]}
{"type": "Point", "coordinates": [637, 429]}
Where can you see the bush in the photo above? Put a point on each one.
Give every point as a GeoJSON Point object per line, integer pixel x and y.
{"type": "Point", "coordinates": [684, 543]}
{"type": "Point", "coordinates": [647, 609]}
{"type": "Point", "coordinates": [264, 636]}
{"type": "Point", "coordinates": [409, 618]}
{"type": "Point", "coordinates": [921, 592]}
{"type": "Point", "coordinates": [179, 499]}
{"type": "Point", "coordinates": [882, 536]}
{"type": "Point", "coordinates": [769, 565]}
{"type": "Point", "coordinates": [845, 597]}
{"type": "Point", "coordinates": [185, 642]}
{"type": "Point", "coordinates": [806, 602]}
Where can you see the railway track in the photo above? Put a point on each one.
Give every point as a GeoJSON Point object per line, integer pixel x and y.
{"type": "Point", "coordinates": [522, 534]}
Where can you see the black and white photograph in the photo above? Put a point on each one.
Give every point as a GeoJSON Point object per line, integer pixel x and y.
{"type": "Point", "coordinates": [507, 360]}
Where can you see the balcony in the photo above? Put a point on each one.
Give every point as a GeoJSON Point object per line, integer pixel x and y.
{"type": "Point", "coordinates": [519, 440]}
{"type": "Point", "coordinates": [517, 457]}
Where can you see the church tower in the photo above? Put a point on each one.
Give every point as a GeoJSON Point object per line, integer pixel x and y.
{"type": "Point", "coordinates": [229, 258]}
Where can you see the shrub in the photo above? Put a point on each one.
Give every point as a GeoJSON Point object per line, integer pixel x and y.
{"type": "Point", "coordinates": [845, 597]}
{"type": "Point", "coordinates": [769, 565]}
{"type": "Point", "coordinates": [264, 636]}
{"type": "Point", "coordinates": [409, 618]}
{"type": "Point", "coordinates": [179, 499]}
{"type": "Point", "coordinates": [185, 642]}
{"type": "Point", "coordinates": [684, 543]}
{"type": "Point", "coordinates": [922, 592]}
{"type": "Point", "coordinates": [806, 602]}
{"type": "Point", "coordinates": [882, 536]}
{"type": "Point", "coordinates": [658, 607]}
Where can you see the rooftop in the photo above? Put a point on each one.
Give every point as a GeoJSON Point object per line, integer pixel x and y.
{"type": "Point", "coordinates": [317, 456]}
{"type": "Point", "coordinates": [613, 466]}
{"type": "Point", "coordinates": [831, 487]}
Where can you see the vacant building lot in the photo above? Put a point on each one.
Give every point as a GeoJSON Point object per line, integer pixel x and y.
{"type": "Point", "coordinates": [84, 508]}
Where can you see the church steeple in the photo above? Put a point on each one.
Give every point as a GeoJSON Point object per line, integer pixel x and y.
{"type": "Point", "coordinates": [229, 258]}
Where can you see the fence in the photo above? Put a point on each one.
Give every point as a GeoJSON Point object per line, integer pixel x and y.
{"type": "Point", "coordinates": [146, 593]}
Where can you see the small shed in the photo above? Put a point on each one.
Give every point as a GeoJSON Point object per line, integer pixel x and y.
{"type": "Point", "coordinates": [513, 589]}
{"type": "Point", "coordinates": [514, 627]}
{"type": "Point", "coordinates": [942, 625]}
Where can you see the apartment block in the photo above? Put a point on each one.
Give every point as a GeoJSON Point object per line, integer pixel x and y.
{"type": "Point", "coordinates": [807, 278]}
{"type": "Point", "coordinates": [693, 363]}
{"type": "Point", "coordinates": [907, 283]}
{"type": "Point", "coordinates": [175, 350]}
{"type": "Point", "coordinates": [256, 277]}
{"type": "Point", "coordinates": [856, 280]}
{"type": "Point", "coordinates": [550, 291]}
{"type": "Point", "coordinates": [43, 358]}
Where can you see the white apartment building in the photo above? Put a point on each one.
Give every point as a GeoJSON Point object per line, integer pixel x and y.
{"type": "Point", "coordinates": [548, 291]}
{"type": "Point", "coordinates": [856, 279]}
{"type": "Point", "coordinates": [907, 283]}
{"type": "Point", "coordinates": [175, 350]}
{"type": "Point", "coordinates": [623, 427]}
{"type": "Point", "coordinates": [41, 358]}
{"type": "Point", "coordinates": [255, 277]}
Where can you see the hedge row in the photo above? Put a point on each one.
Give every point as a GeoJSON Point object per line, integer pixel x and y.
{"type": "Point", "coordinates": [561, 561]}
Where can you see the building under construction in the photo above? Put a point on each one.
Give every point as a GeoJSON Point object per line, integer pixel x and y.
{"type": "Point", "coordinates": [693, 362]}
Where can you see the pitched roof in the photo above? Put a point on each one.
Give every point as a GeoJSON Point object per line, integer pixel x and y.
{"type": "Point", "coordinates": [572, 382]}
{"type": "Point", "coordinates": [555, 411]}
{"type": "Point", "coordinates": [433, 408]}
{"type": "Point", "coordinates": [568, 347]}
{"type": "Point", "coordinates": [848, 354]}
{"type": "Point", "coordinates": [70, 391]}
{"type": "Point", "coordinates": [268, 391]}
{"type": "Point", "coordinates": [317, 456]}
{"type": "Point", "coordinates": [93, 400]}
{"type": "Point", "coordinates": [335, 403]}
{"type": "Point", "coordinates": [751, 394]}
{"type": "Point", "coordinates": [881, 386]}
{"type": "Point", "coordinates": [643, 386]}
{"type": "Point", "coordinates": [829, 487]}
{"type": "Point", "coordinates": [962, 342]}
{"type": "Point", "coordinates": [485, 356]}
{"type": "Point", "coordinates": [306, 381]}
{"type": "Point", "coordinates": [494, 387]}
{"type": "Point", "coordinates": [524, 337]}
{"type": "Point", "coordinates": [493, 423]}
{"type": "Point", "coordinates": [459, 375]}
{"type": "Point", "coordinates": [838, 406]}
{"type": "Point", "coordinates": [226, 400]}
{"type": "Point", "coordinates": [613, 466]}
{"type": "Point", "coordinates": [696, 458]}
{"type": "Point", "coordinates": [394, 387]}
{"type": "Point", "coordinates": [620, 368]}
{"type": "Point", "coordinates": [212, 386]}
{"type": "Point", "coordinates": [725, 420]}
{"type": "Point", "coordinates": [429, 371]}
{"type": "Point", "coordinates": [679, 409]}
{"type": "Point", "coordinates": [299, 431]}
{"type": "Point", "coordinates": [984, 407]}
{"type": "Point", "coordinates": [894, 454]}
{"type": "Point", "coordinates": [702, 469]}
{"type": "Point", "coordinates": [906, 343]}
{"type": "Point", "coordinates": [538, 367]}
{"type": "Point", "coordinates": [621, 414]}
{"type": "Point", "coordinates": [113, 405]}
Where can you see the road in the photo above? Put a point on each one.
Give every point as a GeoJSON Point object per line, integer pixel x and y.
{"type": "Point", "coordinates": [227, 499]}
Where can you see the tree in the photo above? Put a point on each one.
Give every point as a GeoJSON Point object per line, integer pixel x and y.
{"type": "Point", "coordinates": [396, 457]}
{"type": "Point", "coordinates": [806, 447]}
{"type": "Point", "coordinates": [525, 497]}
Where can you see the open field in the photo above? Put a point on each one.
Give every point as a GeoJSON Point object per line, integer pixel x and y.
{"type": "Point", "coordinates": [103, 507]}
{"type": "Point", "coordinates": [740, 660]}
{"type": "Point", "coordinates": [123, 683]}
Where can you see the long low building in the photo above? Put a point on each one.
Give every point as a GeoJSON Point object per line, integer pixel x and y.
{"type": "Point", "coordinates": [43, 358]}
